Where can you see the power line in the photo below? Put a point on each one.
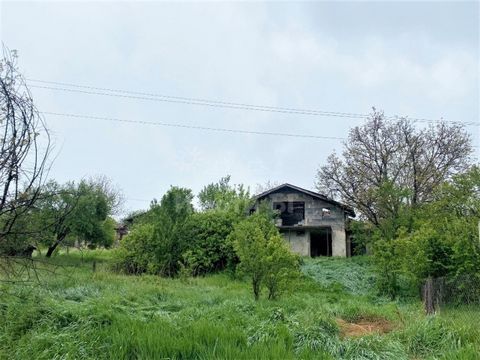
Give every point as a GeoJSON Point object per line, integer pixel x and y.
{"type": "Point", "coordinates": [209, 104]}
{"type": "Point", "coordinates": [185, 126]}
{"type": "Point", "coordinates": [196, 101]}
{"type": "Point", "coordinates": [91, 90]}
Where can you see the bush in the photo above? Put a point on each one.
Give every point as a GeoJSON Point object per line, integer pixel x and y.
{"type": "Point", "coordinates": [387, 266]}
{"type": "Point", "coordinates": [154, 245]}
{"type": "Point", "coordinates": [263, 255]}
{"type": "Point", "coordinates": [282, 266]}
{"type": "Point", "coordinates": [134, 255]}
{"type": "Point", "coordinates": [205, 235]}
{"type": "Point", "coordinates": [437, 239]}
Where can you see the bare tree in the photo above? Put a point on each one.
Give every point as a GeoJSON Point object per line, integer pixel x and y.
{"type": "Point", "coordinates": [113, 193]}
{"type": "Point", "coordinates": [393, 153]}
{"type": "Point", "coordinates": [268, 185]}
{"type": "Point", "coordinates": [24, 147]}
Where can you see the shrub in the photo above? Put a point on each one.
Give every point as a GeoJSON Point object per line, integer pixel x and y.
{"type": "Point", "coordinates": [154, 245]}
{"type": "Point", "coordinates": [281, 266]}
{"type": "Point", "coordinates": [205, 235]}
{"type": "Point", "coordinates": [263, 255]}
{"type": "Point", "coordinates": [387, 263]}
{"type": "Point", "coordinates": [135, 253]}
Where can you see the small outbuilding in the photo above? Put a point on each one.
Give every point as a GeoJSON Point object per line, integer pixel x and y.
{"type": "Point", "coordinates": [313, 224]}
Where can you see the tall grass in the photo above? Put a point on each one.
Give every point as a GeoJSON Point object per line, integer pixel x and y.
{"type": "Point", "coordinates": [82, 314]}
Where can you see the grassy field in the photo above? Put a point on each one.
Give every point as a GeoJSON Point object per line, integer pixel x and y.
{"type": "Point", "coordinates": [332, 313]}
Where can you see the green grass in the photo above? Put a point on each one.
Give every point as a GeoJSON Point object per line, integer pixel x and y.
{"type": "Point", "coordinates": [81, 314]}
{"type": "Point", "coordinates": [354, 275]}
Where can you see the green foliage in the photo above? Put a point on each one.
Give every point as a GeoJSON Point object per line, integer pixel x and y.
{"type": "Point", "coordinates": [72, 212]}
{"type": "Point", "coordinates": [353, 275]}
{"type": "Point", "coordinates": [250, 238]}
{"type": "Point", "coordinates": [281, 266]}
{"type": "Point", "coordinates": [137, 252]}
{"type": "Point", "coordinates": [387, 263]}
{"type": "Point", "coordinates": [104, 315]}
{"type": "Point", "coordinates": [108, 234]}
{"type": "Point", "coordinates": [172, 237]}
{"type": "Point", "coordinates": [208, 249]}
{"type": "Point", "coordinates": [438, 239]}
{"type": "Point", "coordinates": [263, 255]}
{"type": "Point", "coordinates": [429, 337]}
{"type": "Point", "coordinates": [224, 196]}
{"type": "Point", "coordinates": [154, 245]}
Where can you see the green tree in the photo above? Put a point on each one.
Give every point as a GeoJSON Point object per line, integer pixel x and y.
{"type": "Point", "coordinates": [224, 196]}
{"type": "Point", "coordinates": [263, 254]}
{"type": "Point", "coordinates": [281, 266]}
{"type": "Point", "coordinates": [208, 249]}
{"type": "Point", "coordinates": [71, 211]}
{"type": "Point", "coordinates": [436, 239]}
{"type": "Point", "coordinates": [446, 230]}
{"type": "Point", "coordinates": [154, 245]}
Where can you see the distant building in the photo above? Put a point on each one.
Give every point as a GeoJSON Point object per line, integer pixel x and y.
{"type": "Point", "coordinates": [313, 224]}
{"type": "Point", "coordinates": [122, 228]}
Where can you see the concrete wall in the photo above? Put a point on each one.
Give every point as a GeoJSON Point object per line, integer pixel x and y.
{"type": "Point", "coordinates": [314, 217]}
{"type": "Point", "coordinates": [339, 242]}
{"type": "Point", "coordinates": [299, 244]}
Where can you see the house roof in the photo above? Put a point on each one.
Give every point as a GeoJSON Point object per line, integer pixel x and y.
{"type": "Point", "coordinates": [316, 195]}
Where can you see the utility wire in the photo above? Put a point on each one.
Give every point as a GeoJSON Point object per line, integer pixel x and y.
{"type": "Point", "coordinates": [216, 104]}
{"type": "Point", "coordinates": [185, 126]}
{"type": "Point", "coordinates": [201, 103]}
{"type": "Point", "coordinates": [195, 127]}
{"type": "Point", "coordinates": [197, 101]}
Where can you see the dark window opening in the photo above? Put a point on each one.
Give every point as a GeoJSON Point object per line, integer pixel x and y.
{"type": "Point", "coordinates": [291, 213]}
{"type": "Point", "coordinates": [321, 242]}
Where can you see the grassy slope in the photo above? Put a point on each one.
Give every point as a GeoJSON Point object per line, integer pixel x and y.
{"type": "Point", "coordinates": [85, 315]}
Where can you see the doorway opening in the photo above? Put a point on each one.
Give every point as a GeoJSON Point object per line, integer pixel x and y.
{"type": "Point", "coordinates": [321, 242]}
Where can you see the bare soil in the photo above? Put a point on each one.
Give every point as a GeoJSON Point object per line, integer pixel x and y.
{"type": "Point", "coordinates": [364, 327]}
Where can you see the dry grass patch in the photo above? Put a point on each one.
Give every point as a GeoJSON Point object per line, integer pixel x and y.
{"type": "Point", "coordinates": [364, 327]}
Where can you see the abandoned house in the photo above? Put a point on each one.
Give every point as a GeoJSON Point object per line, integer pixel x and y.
{"type": "Point", "coordinates": [313, 224]}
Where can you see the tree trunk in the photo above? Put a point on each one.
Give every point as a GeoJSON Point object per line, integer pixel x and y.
{"type": "Point", "coordinates": [52, 248]}
{"type": "Point", "coordinates": [428, 297]}
{"type": "Point", "coordinates": [256, 288]}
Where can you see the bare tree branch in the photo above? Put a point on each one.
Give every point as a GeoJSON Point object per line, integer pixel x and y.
{"type": "Point", "coordinates": [395, 152]}
{"type": "Point", "coordinates": [24, 147]}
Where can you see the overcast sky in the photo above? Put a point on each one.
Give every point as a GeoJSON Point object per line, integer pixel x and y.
{"type": "Point", "coordinates": [407, 58]}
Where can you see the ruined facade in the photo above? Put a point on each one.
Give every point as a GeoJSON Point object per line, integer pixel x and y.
{"type": "Point", "coordinates": [313, 224]}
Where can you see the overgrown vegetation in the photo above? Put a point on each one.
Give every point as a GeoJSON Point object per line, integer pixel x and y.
{"type": "Point", "coordinates": [103, 315]}
{"type": "Point", "coordinates": [264, 255]}
{"type": "Point", "coordinates": [438, 239]}
{"type": "Point", "coordinates": [418, 195]}
{"type": "Point", "coordinates": [416, 190]}
{"type": "Point", "coordinates": [172, 238]}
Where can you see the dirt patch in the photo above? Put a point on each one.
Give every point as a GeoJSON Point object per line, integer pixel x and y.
{"type": "Point", "coordinates": [364, 327]}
